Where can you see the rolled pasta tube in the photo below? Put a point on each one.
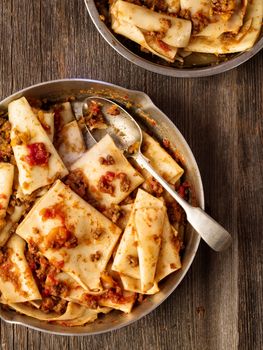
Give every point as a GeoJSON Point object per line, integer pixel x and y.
{"type": "Point", "coordinates": [176, 32]}
{"type": "Point", "coordinates": [133, 33]}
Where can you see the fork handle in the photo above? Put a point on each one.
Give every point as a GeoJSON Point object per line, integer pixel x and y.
{"type": "Point", "coordinates": [211, 231]}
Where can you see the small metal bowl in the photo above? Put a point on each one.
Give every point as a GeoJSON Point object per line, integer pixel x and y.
{"type": "Point", "coordinates": [144, 111]}
{"type": "Point", "coordinates": [164, 68]}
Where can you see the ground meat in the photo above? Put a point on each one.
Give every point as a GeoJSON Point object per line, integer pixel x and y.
{"type": "Point", "coordinates": [133, 260]}
{"type": "Point", "coordinates": [186, 14]}
{"type": "Point", "coordinates": [105, 186]}
{"type": "Point", "coordinates": [130, 198]}
{"type": "Point", "coordinates": [94, 118]}
{"type": "Point", "coordinates": [109, 160]}
{"type": "Point", "coordinates": [184, 190]}
{"type": "Point", "coordinates": [58, 289]}
{"type": "Point", "coordinates": [3, 255]}
{"type": "Point", "coordinates": [156, 187]}
{"type": "Point", "coordinates": [96, 256]}
{"type": "Point", "coordinates": [115, 295]}
{"type": "Point", "coordinates": [60, 237]}
{"type": "Point", "coordinates": [175, 213]}
{"type": "Point", "coordinates": [105, 183]}
{"type": "Point", "coordinates": [91, 301]}
{"type": "Point", "coordinates": [225, 37]}
{"type": "Point", "coordinates": [199, 22]}
{"type": "Point", "coordinates": [113, 110]}
{"type": "Point", "coordinates": [77, 181]}
{"type": "Point", "coordinates": [98, 233]}
{"type": "Point", "coordinates": [32, 247]}
{"type": "Point", "coordinates": [125, 183]}
{"type": "Point", "coordinates": [60, 306]}
{"type": "Point", "coordinates": [6, 153]}
{"type": "Point", "coordinates": [226, 7]}
{"type": "Point", "coordinates": [38, 264]}
{"type": "Point", "coordinates": [42, 268]}
{"type": "Point", "coordinates": [8, 270]}
{"type": "Point", "coordinates": [72, 242]}
{"type": "Point", "coordinates": [47, 304]}
{"type": "Point", "coordinates": [50, 304]}
{"type": "Point", "coordinates": [166, 24]}
{"type": "Point", "coordinates": [155, 5]}
{"type": "Point", "coordinates": [45, 276]}
{"type": "Point", "coordinates": [31, 260]}
{"type": "Point", "coordinates": [114, 213]}
{"type": "Point", "coordinates": [158, 36]}
{"type": "Point", "coordinates": [58, 119]}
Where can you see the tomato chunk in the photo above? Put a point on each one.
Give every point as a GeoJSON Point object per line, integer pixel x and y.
{"type": "Point", "coordinates": [37, 154]}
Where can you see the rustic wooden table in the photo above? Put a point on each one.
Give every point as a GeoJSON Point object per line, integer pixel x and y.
{"type": "Point", "coordinates": [219, 303]}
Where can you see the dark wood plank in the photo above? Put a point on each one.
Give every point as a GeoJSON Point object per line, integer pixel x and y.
{"type": "Point", "coordinates": [250, 208]}
{"type": "Point", "coordinates": [219, 303]}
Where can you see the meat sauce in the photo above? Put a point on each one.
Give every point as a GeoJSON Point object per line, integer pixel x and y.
{"type": "Point", "coordinates": [108, 160]}
{"type": "Point", "coordinates": [6, 153]}
{"type": "Point", "coordinates": [57, 119]}
{"type": "Point", "coordinates": [52, 303]}
{"type": "Point", "coordinates": [8, 271]}
{"type": "Point", "coordinates": [60, 236]}
{"type": "Point", "coordinates": [115, 295]}
{"type": "Point", "coordinates": [45, 276]}
{"type": "Point", "coordinates": [77, 181]}
{"type": "Point", "coordinates": [37, 154]}
{"type": "Point", "coordinates": [114, 212]}
{"type": "Point", "coordinates": [105, 182]}
{"type": "Point", "coordinates": [125, 183]}
{"type": "Point", "coordinates": [94, 118]}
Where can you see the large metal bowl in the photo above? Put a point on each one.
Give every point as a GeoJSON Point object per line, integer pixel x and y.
{"type": "Point", "coordinates": [233, 61]}
{"type": "Point", "coordinates": [143, 106]}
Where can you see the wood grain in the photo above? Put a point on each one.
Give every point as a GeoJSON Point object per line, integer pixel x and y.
{"type": "Point", "coordinates": [219, 303]}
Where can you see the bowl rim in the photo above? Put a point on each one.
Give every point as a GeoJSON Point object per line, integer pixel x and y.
{"type": "Point", "coordinates": [187, 148]}
{"type": "Point", "coordinates": [157, 68]}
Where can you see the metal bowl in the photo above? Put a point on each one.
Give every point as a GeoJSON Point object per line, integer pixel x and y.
{"type": "Point", "coordinates": [233, 61]}
{"type": "Point", "coordinates": [143, 109]}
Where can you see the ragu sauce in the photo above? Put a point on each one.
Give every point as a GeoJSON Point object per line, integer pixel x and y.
{"type": "Point", "coordinates": [37, 154]}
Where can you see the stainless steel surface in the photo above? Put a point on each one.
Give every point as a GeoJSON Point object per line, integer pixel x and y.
{"type": "Point", "coordinates": [233, 62]}
{"type": "Point", "coordinates": [122, 128]}
{"type": "Point", "coordinates": [126, 132]}
{"type": "Point", "coordinates": [57, 90]}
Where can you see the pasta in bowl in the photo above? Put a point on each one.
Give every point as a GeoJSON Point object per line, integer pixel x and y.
{"type": "Point", "coordinates": [84, 231]}
{"type": "Point", "coordinates": [181, 38]}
